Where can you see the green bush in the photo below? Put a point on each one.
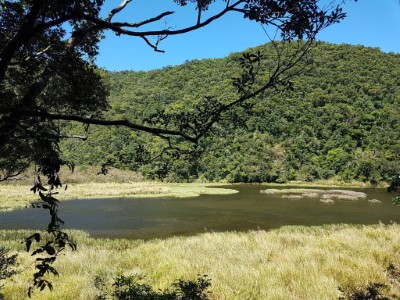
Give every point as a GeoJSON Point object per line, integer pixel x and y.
{"type": "Point", "coordinates": [131, 287]}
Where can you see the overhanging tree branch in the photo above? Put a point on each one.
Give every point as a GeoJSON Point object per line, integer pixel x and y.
{"type": "Point", "coordinates": [43, 115]}
{"type": "Point", "coordinates": [116, 10]}
{"type": "Point", "coordinates": [118, 28]}
{"type": "Point", "coordinates": [141, 23]}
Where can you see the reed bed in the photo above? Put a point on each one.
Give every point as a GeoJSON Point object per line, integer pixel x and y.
{"type": "Point", "coordinates": [291, 191]}
{"type": "Point", "coordinates": [339, 197]}
{"type": "Point", "coordinates": [311, 195]}
{"type": "Point", "coordinates": [269, 191]}
{"type": "Point", "coordinates": [327, 201]}
{"type": "Point", "coordinates": [293, 262]}
{"type": "Point", "coordinates": [347, 193]}
{"type": "Point", "coordinates": [375, 201]}
{"type": "Point", "coordinates": [292, 197]}
{"type": "Point", "coordinates": [344, 195]}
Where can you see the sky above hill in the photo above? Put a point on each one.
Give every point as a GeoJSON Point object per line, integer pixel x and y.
{"type": "Point", "coordinates": [373, 23]}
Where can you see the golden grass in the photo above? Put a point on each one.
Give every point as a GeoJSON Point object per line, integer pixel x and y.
{"type": "Point", "coordinates": [293, 262]}
{"type": "Point", "coordinates": [18, 196]}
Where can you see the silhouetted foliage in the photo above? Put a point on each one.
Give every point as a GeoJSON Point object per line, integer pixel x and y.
{"type": "Point", "coordinates": [131, 288]}
{"type": "Point", "coordinates": [371, 292]}
{"type": "Point", "coordinates": [7, 266]}
{"type": "Point", "coordinates": [394, 187]}
{"type": "Point", "coordinates": [394, 184]}
{"type": "Point", "coordinates": [193, 290]}
{"type": "Point", "coordinates": [55, 240]}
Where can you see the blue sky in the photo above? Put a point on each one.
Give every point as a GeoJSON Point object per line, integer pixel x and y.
{"type": "Point", "coordinates": [373, 23]}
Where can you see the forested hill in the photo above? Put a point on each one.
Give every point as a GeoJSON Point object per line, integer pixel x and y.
{"type": "Point", "coordinates": [341, 120]}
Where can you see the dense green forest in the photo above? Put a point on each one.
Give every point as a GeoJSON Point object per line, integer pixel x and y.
{"type": "Point", "coordinates": [339, 119]}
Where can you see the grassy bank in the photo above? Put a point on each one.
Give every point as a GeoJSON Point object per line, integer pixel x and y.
{"type": "Point", "coordinates": [288, 263]}
{"type": "Point", "coordinates": [15, 196]}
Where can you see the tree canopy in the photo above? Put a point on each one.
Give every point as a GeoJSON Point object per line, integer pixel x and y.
{"type": "Point", "coordinates": [48, 76]}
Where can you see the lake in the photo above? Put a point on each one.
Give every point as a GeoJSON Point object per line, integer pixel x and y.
{"type": "Point", "coordinates": [247, 210]}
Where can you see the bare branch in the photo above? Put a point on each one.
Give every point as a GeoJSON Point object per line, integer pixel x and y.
{"type": "Point", "coordinates": [198, 14]}
{"type": "Point", "coordinates": [154, 46]}
{"type": "Point", "coordinates": [119, 30]}
{"type": "Point", "coordinates": [79, 137]}
{"type": "Point", "coordinates": [40, 27]}
{"type": "Point", "coordinates": [35, 55]}
{"type": "Point", "coordinates": [138, 24]}
{"type": "Point", "coordinates": [117, 10]}
{"type": "Point", "coordinates": [9, 176]}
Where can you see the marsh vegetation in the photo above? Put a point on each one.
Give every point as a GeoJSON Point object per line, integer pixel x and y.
{"type": "Point", "coordinates": [325, 196]}
{"type": "Point", "coordinates": [294, 262]}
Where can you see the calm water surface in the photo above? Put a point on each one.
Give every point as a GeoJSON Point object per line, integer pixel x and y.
{"type": "Point", "coordinates": [163, 217]}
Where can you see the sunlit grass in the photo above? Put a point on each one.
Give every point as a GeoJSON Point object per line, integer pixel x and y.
{"type": "Point", "coordinates": [140, 189]}
{"type": "Point", "coordinates": [18, 196]}
{"type": "Point", "coordinates": [293, 262]}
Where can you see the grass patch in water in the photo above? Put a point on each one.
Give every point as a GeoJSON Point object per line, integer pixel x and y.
{"type": "Point", "coordinates": [291, 191]}
{"type": "Point", "coordinates": [292, 197]}
{"type": "Point", "coordinates": [345, 195]}
{"type": "Point", "coordinates": [327, 201]}
{"type": "Point", "coordinates": [18, 196]}
{"type": "Point", "coordinates": [328, 183]}
{"type": "Point", "coordinates": [375, 201]}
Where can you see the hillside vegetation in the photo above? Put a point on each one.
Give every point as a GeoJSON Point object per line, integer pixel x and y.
{"type": "Point", "coordinates": [340, 120]}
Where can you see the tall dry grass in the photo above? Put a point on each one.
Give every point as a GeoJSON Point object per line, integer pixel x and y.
{"type": "Point", "coordinates": [293, 262]}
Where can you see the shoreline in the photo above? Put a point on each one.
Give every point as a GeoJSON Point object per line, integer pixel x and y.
{"type": "Point", "coordinates": [16, 196]}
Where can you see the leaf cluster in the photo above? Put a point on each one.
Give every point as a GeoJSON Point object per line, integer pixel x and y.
{"type": "Point", "coordinates": [55, 240]}
{"type": "Point", "coordinates": [295, 19]}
